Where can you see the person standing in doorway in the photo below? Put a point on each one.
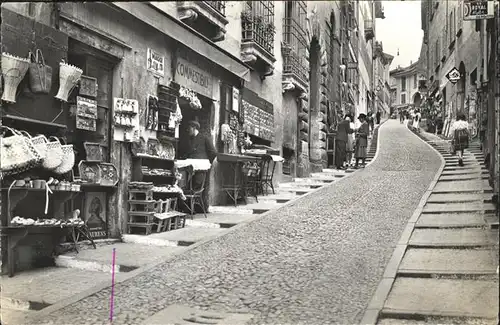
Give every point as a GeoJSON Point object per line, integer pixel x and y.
{"type": "Point", "coordinates": [460, 133]}
{"type": "Point", "coordinates": [361, 141]}
{"type": "Point", "coordinates": [378, 117]}
{"type": "Point", "coordinates": [199, 146]}
{"type": "Point", "coordinates": [350, 141]}
{"type": "Point", "coordinates": [343, 130]}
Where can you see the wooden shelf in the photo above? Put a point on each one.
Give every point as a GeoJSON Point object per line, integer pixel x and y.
{"type": "Point", "coordinates": [33, 121]}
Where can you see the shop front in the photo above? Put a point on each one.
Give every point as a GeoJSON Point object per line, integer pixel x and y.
{"type": "Point", "coordinates": [93, 126]}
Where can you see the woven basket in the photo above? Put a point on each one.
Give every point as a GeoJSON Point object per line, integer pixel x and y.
{"type": "Point", "coordinates": [13, 70]}
{"type": "Point", "coordinates": [39, 141]}
{"type": "Point", "coordinates": [40, 74]}
{"type": "Point", "coordinates": [68, 77]}
{"type": "Point", "coordinates": [54, 155]}
{"type": "Point", "coordinates": [18, 153]}
{"type": "Point", "coordinates": [68, 160]}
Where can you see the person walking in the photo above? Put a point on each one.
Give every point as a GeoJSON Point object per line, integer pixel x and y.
{"type": "Point", "coordinates": [416, 120]}
{"type": "Point", "coordinates": [361, 141]}
{"type": "Point", "coordinates": [460, 137]}
{"type": "Point", "coordinates": [378, 117]}
{"type": "Point", "coordinates": [370, 121]}
{"type": "Point", "coordinates": [350, 142]}
{"type": "Point", "coordinates": [199, 146]}
{"type": "Point", "coordinates": [343, 130]}
{"type": "Point", "coordinates": [401, 116]}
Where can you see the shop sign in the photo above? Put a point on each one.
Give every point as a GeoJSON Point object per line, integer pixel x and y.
{"type": "Point", "coordinates": [478, 9]}
{"type": "Point", "coordinates": [453, 76]}
{"type": "Point", "coordinates": [191, 75]}
{"type": "Point", "coordinates": [155, 62]}
{"type": "Point", "coordinates": [236, 99]}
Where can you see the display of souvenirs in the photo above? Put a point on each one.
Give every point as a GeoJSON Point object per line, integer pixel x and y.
{"type": "Point", "coordinates": [86, 114]}
{"type": "Point", "coordinates": [52, 184]}
{"type": "Point", "coordinates": [170, 189]}
{"type": "Point", "coordinates": [124, 120]}
{"type": "Point", "coordinates": [89, 172]}
{"type": "Point", "coordinates": [88, 86]}
{"type": "Point", "coordinates": [125, 106]}
{"type": "Point", "coordinates": [141, 185]}
{"type": "Point", "coordinates": [191, 97]}
{"type": "Point", "coordinates": [152, 113]}
{"type": "Point", "coordinates": [175, 118]}
{"type": "Point", "coordinates": [258, 122]}
{"type": "Point", "coordinates": [93, 151]}
{"type": "Point", "coordinates": [109, 174]}
{"type": "Point", "coordinates": [158, 149]}
{"type": "Point", "coordinates": [156, 171]}
{"type": "Point", "coordinates": [47, 222]}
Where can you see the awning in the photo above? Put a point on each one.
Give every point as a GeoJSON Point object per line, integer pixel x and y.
{"type": "Point", "coordinates": [184, 34]}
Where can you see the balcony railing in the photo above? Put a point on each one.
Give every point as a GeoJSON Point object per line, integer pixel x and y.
{"type": "Point", "coordinates": [295, 45]}
{"type": "Point", "coordinates": [220, 6]}
{"type": "Point", "coordinates": [257, 23]}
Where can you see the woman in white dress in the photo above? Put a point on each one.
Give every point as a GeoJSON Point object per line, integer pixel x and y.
{"type": "Point", "coordinates": [459, 133]}
{"type": "Point", "coordinates": [350, 141]}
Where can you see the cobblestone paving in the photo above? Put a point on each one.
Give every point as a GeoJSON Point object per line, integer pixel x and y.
{"type": "Point", "coordinates": [317, 261]}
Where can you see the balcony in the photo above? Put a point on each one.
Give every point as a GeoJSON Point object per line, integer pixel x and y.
{"type": "Point", "coordinates": [207, 17]}
{"type": "Point", "coordinates": [257, 39]}
{"type": "Point", "coordinates": [293, 49]}
{"type": "Point", "coordinates": [369, 31]}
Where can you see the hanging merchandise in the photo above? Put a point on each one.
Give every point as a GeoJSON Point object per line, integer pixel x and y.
{"type": "Point", "coordinates": [18, 153]}
{"type": "Point", "coordinates": [69, 75]}
{"type": "Point", "coordinates": [152, 113]}
{"type": "Point", "coordinates": [54, 154]}
{"type": "Point", "coordinates": [175, 118]}
{"type": "Point", "coordinates": [191, 97]}
{"type": "Point", "coordinates": [40, 74]}
{"type": "Point", "coordinates": [68, 159]}
{"type": "Point", "coordinates": [13, 70]}
{"type": "Point", "coordinates": [40, 143]}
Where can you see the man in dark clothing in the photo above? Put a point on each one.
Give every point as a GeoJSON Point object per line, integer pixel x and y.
{"type": "Point", "coordinates": [378, 117]}
{"type": "Point", "coordinates": [198, 146]}
{"type": "Point", "coordinates": [343, 130]}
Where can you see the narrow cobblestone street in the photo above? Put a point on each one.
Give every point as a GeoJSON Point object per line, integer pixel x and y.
{"type": "Point", "coordinates": [316, 261]}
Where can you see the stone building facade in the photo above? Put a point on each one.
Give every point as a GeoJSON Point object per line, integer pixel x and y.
{"type": "Point", "coordinates": [406, 81]}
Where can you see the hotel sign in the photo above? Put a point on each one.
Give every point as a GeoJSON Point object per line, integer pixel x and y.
{"type": "Point", "coordinates": [191, 73]}
{"type": "Point", "coordinates": [479, 9]}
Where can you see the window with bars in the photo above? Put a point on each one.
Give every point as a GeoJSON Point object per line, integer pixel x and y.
{"type": "Point", "coordinates": [220, 6]}
{"type": "Point", "coordinates": [294, 37]}
{"type": "Point", "coordinates": [258, 24]}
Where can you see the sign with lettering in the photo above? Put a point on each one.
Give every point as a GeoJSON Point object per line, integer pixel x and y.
{"type": "Point", "coordinates": [155, 63]}
{"type": "Point", "coordinates": [86, 107]}
{"type": "Point", "coordinates": [453, 76]}
{"type": "Point", "coordinates": [478, 9]}
{"type": "Point", "coordinates": [191, 74]}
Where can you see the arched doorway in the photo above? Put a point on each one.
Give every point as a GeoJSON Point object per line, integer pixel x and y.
{"type": "Point", "coordinates": [461, 90]}
{"type": "Point", "coordinates": [417, 99]}
{"type": "Point", "coordinates": [314, 105]}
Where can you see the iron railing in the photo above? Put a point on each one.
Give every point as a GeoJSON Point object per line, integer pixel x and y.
{"type": "Point", "coordinates": [294, 38]}
{"type": "Point", "coordinates": [257, 22]}
{"type": "Point", "coordinates": [220, 6]}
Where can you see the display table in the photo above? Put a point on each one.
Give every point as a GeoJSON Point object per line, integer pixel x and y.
{"type": "Point", "coordinates": [236, 185]}
{"type": "Point", "coordinates": [12, 234]}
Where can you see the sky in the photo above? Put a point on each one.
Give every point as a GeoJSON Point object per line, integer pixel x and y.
{"type": "Point", "coordinates": [401, 29]}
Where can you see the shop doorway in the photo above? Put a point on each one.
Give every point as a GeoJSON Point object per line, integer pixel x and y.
{"type": "Point", "coordinates": [417, 99]}
{"type": "Point", "coordinates": [204, 116]}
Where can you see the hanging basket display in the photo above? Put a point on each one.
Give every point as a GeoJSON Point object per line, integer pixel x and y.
{"type": "Point", "coordinates": [40, 74]}
{"type": "Point", "coordinates": [13, 70]}
{"type": "Point", "coordinates": [69, 75]}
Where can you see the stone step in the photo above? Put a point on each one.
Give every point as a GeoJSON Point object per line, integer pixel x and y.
{"type": "Point", "coordinates": [297, 191]}
{"type": "Point", "coordinates": [128, 257]}
{"type": "Point", "coordinates": [449, 178]}
{"type": "Point", "coordinates": [218, 220]}
{"type": "Point", "coordinates": [301, 185]}
{"type": "Point", "coordinates": [462, 186]}
{"type": "Point", "coordinates": [458, 207]}
{"type": "Point", "coordinates": [448, 261]}
{"type": "Point", "coordinates": [442, 297]}
{"type": "Point", "coordinates": [261, 207]}
{"type": "Point", "coordinates": [278, 198]}
{"type": "Point", "coordinates": [461, 171]}
{"type": "Point", "coordinates": [456, 220]}
{"type": "Point", "coordinates": [178, 237]}
{"type": "Point", "coordinates": [231, 209]}
{"type": "Point", "coordinates": [466, 237]}
{"type": "Point", "coordinates": [328, 175]}
{"type": "Point", "coordinates": [459, 197]}
{"type": "Point", "coordinates": [15, 317]}
{"type": "Point", "coordinates": [436, 320]}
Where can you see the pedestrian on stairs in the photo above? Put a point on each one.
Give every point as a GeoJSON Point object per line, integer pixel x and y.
{"type": "Point", "coordinates": [350, 142]}
{"type": "Point", "coordinates": [460, 133]}
{"type": "Point", "coordinates": [361, 141]}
